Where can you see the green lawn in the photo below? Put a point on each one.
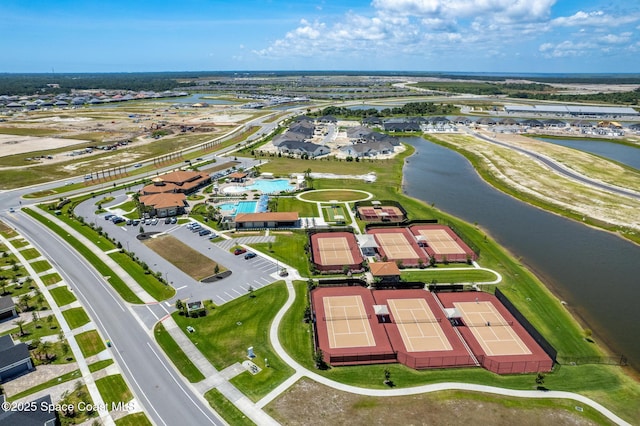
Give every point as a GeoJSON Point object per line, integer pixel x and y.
{"type": "Point", "coordinates": [288, 248]}
{"type": "Point", "coordinates": [343, 195]}
{"type": "Point", "coordinates": [292, 204]}
{"type": "Point", "coordinates": [30, 253]}
{"type": "Point", "coordinates": [62, 295]}
{"type": "Point", "coordinates": [114, 390]}
{"type": "Point", "coordinates": [135, 419]}
{"type": "Point", "coordinates": [470, 275]}
{"type": "Point", "coordinates": [47, 325]}
{"type": "Point", "coordinates": [19, 243]}
{"type": "Point", "coordinates": [76, 317]}
{"type": "Point", "coordinates": [330, 211]}
{"type": "Point", "coordinates": [148, 282]}
{"type": "Point", "coordinates": [51, 279]}
{"type": "Point", "coordinates": [224, 335]}
{"type": "Point", "coordinates": [176, 355]}
{"type": "Point", "coordinates": [99, 365]}
{"type": "Point", "coordinates": [40, 266]}
{"type": "Point", "coordinates": [90, 343]}
{"type": "Point", "coordinates": [229, 412]}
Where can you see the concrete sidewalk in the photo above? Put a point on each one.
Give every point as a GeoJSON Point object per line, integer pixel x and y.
{"type": "Point", "coordinates": [216, 379]}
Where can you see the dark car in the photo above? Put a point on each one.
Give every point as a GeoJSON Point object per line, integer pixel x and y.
{"type": "Point", "coordinates": [167, 221]}
{"type": "Point", "coordinates": [249, 255]}
{"type": "Point", "coordinates": [239, 251]}
{"type": "Point", "coordinates": [204, 232]}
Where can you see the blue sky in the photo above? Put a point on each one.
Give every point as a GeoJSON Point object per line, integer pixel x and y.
{"type": "Point", "coordinates": [405, 35]}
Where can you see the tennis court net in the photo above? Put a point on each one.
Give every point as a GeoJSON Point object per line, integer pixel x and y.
{"type": "Point", "coordinates": [346, 318]}
{"type": "Point", "coordinates": [489, 324]}
{"type": "Point", "coordinates": [416, 320]}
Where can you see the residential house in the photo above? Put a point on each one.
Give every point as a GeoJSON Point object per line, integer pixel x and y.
{"type": "Point", "coordinates": [14, 358]}
{"type": "Point", "coordinates": [7, 308]}
{"type": "Point", "coordinates": [42, 414]}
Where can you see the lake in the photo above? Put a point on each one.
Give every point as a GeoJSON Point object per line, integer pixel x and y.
{"type": "Point", "coordinates": [595, 272]}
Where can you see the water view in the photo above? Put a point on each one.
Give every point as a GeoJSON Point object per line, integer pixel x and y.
{"type": "Point", "coordinates": [621, 153]}
{"type": "Point", "coordinates": [595, 272]}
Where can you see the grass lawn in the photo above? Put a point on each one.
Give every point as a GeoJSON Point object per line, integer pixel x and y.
{"type": "Point", "coordinates": [229, 412]}
{"type": "Point", "coordinates": [176, 355]}
{"type": "Point", "coordinates": [99, 365]}
{"type": "Point", "coordinates": [336, 194]}
{"type": "Point", "coordinates": [115, 281]}
{"type": "Point", "coordinates": [188, 260]}
{"type": "Point", "coordinates": [101, 241]}
{"type": "Point", "coordinates": [135, 419]}
{"type": "Point", "coordinates": [224, 335]}
{"type": "Point", "coordinates": [148, 282]}
{"type": "Point", "coordinates": [606, 384]}
{"type": "Point", "coordinates": [40, 266]}
{"type": "Point", "coordinates": [114, 390]}
{"type": "Point", "coordinates": [62, 295]}
{"type": "Point", "coordinates": [330, 211]}
{"type": "Point", "coordinates": [127, 206]}
{"type": "Point", "coordinates": [19, 243]}
{"type": "Point", "coordinates": [292, 204]}
{"type": "Point", "coordinates": [470, 275]}
{"type": "Point", "coordinates": [30, 253]}
{"type": "Point", "coordinates": [288, 248]}
{"type": "Point", "coordinates": [51, 279]}
{"type": "Point", "coordinates": [90, 343]}
{"type": "Point", "coordinates": [76, 317]}
{"type": "Point", "coordinates": [47, 326]}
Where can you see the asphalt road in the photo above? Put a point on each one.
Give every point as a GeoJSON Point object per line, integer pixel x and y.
{"type": "Point", "coordinates": [160, 390]}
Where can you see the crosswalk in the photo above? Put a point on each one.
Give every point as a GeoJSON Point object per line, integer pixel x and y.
{"type": "Point", "coordinates": [227, 244]}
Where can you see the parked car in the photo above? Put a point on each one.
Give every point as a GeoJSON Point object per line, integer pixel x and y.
{"type": "Point", "coordinates": [147, 222]}
{"type": "Point", "coordinates": [154, 221]}
{"type": "Point", "coordinates": [137, 165]}
{"type": "Point", "coordinates": [204, 232]}
{"type": "Point", "coordinates": [108, 216]}
{"type": "Point", "coordinates": [118, 219]}
{"type": "Point", "coordinates": [129, 222]}
{"type": "Point", "coordinates": [135, 222]}
{"type": "Point", "coordinates": [239, 251]}
{"type": "Point", "coordinates": [167, 221]}
{"type": "Point", "coordinates": [249, 255]}
{"type": "Point", "coordinates": [174, 220]}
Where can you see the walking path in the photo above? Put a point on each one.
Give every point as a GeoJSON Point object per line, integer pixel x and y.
{"type": "Point", "coordinates": [87, 377]}
{"type": "Point", "coordinates": [301, 371]}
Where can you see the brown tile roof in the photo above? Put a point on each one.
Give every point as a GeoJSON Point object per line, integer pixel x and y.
{"type": "Point", "coordinates": [380, 269]}
{"type": "Point", "coordinates": [238, 175]}
{"type": "Point", "coordinates": [182, 176]}
{"type": "Point", "coordinates": [164, 200]}
{"type": "Point", "coordinates": [268, 217]}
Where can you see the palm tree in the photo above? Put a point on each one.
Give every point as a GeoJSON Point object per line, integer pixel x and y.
{"type": "Point", "coordinates": [20, 323]}
{"type": "Point", "coordinates": [24, 300]}
{"type": "Point", "coordinates": [44, 349]}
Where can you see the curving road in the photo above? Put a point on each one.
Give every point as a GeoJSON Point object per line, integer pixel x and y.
{"type": "Point", "coordinates": [560, 169]}
{"type": "Point", "coordinates": [166, 398]}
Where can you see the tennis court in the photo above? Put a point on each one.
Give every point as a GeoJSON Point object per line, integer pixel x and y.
{"type": "Point", "coordinates": [418, 326]}
{"type": "Point", "coordinates": [335, 251]}
{"type": "Point", "coordinates": [347, 322]}
{"type": "Point", "coordinates": [396, 246]}
{"type": "Point", "coordinates": [381, 214]}
{"type": "Point", "coordinates": [494, 334]}
{"type": "Point", "coordinates": [441, 241]}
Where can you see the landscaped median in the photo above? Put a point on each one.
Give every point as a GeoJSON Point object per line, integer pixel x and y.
{"type": "Point", "coordinates": [147, 281]}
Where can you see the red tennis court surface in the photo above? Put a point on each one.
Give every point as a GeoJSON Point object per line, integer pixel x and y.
{"type": "Point", "coordinates": [380, 214]}
{"type": "Point", "coordinates": [441, 242]}
{"type": "Point", "coordinates": [413, 327]}
{"type": "Point", "coordinates": [498, 340]}
{"type": "Point", "coordinates": [398, 244]}
{"type": "Point", "coordinates": [331, 251]}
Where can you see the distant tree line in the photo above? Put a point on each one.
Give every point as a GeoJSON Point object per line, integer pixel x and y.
{"type": "Point", "coordinates": [409, 109]}
{"type": "Point", "coordinates": [30, 84]}
{"type": "Point", "coordinates": [626, 98]}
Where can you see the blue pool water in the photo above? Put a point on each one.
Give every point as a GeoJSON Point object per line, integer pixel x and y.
{"type": "Point", "coordinates": [239, 207]}
{"type": "Point", "coordinates": [266, 186]}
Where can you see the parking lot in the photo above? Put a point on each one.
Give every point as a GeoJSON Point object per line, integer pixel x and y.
{"type": "Point", "coordinates": [256, 272]}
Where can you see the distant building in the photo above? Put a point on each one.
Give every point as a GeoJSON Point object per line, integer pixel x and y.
{"type": "Point", "coordinates": [181, 181]}
{"type": "Point", "coordinates": [385, 272]}
{"type": "Point", "coordinates": [267, 220]}
{"type": "Point", "coordinates": [572, 110]}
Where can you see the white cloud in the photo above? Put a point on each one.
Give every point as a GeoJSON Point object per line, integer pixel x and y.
{"type": "Point", "coordinates": [616, 39]}
{"type": "Point", "coordinates": [596, 18]}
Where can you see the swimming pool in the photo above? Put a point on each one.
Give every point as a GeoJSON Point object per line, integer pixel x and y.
{"type": "Point", "coordinates": [266, 186]}
{"type": "Point", "coordinates": [239, 207]}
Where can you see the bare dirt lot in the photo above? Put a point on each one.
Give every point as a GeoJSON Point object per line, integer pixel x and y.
{"type": "Point", "coordinates": [190, 261]}
{"type": "Point", "coordinates": [325, 406]}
